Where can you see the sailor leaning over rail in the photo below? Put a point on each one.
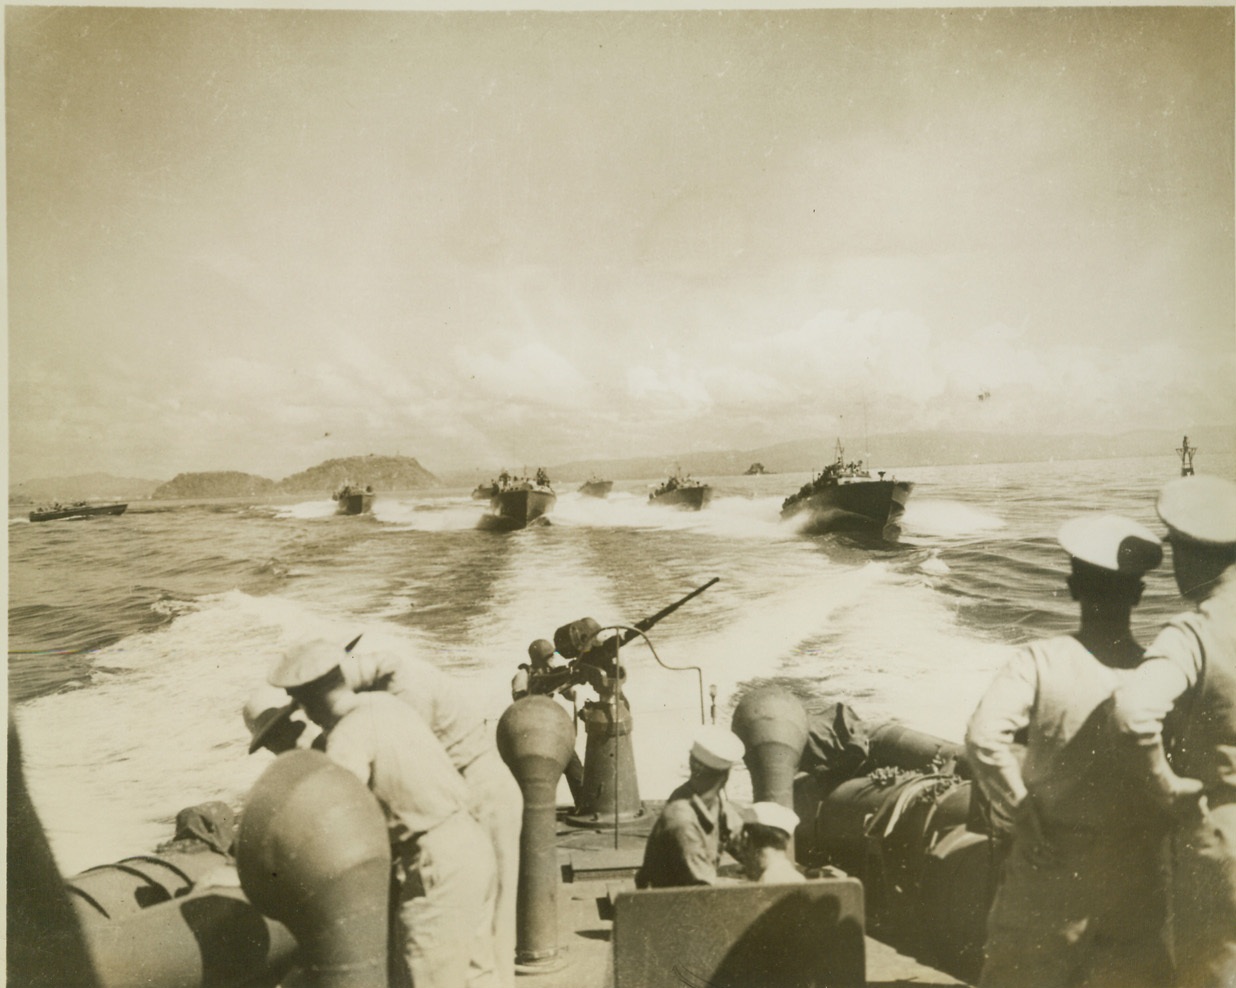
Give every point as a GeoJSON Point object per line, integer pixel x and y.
{"type": "Point", "coordinates": [1189, 681]}
{"type": "Point", "coordinates": [697, 822]}
{"type": "Point", "coordinates": [1082, 894]}
{"type": "Point", "coordinates": [445, 900]}
{"type": "Point", "coordinates": [496, 800]}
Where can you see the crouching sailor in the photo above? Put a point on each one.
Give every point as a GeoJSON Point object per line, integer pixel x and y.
{"type": "Point", "coordinates": [445, 899]}
{"type": "Point", "coordinates": [764, 845]}
{"type": "Point", "coordinates": [1082, 897]}
{"type": "Point", "coordinates": [697, 823]}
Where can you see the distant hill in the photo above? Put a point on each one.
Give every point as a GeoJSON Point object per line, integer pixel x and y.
{"type": "Point", "coordinates": [383, 473]}
{"type": "Point", "coordinates": [83, 487]}
{"type": "Point", "coordinates": [225, 483]}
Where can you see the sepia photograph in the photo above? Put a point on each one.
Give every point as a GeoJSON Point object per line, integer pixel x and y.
{"type": "Point", "coordinates": [627, 496]}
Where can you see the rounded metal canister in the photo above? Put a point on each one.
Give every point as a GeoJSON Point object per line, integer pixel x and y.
{"type": "Point", "coordinates": [536, 739]}
{"type": "Point", "coordinates": [313, 852]}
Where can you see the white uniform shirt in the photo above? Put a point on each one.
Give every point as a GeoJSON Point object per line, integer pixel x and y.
{"type": "Point", "coordinates": [1053, 687]}
{"type": "Point", "coordinates": [393, 751]}
{"type": "Point", "coordinates": [440, 700]}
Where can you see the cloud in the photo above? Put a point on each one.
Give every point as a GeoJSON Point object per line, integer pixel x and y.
{"type": "Point", "coordinates": [531, 373]}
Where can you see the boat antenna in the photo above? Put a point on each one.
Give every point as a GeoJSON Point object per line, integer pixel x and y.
{"type": "Point", "coordinates": [866, 439]}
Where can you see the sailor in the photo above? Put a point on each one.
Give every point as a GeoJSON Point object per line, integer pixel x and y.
{"type": "Point", "coordinates": [764, 844]}
{"type": "Point", "coordinates": [1189, 678]}
{"type": "Point", "coordinates": [1082, 897]}
{"type": "Point", "coordinates": [276, 724]}
{"type": "Point", "coordinates": [697, 823]}
{"type": "Point", "coordinates": [445, 899]}
{"type": "Point", "coordinates": [496, 800]}
{"type": "Point", "coordinates": [545, 675]}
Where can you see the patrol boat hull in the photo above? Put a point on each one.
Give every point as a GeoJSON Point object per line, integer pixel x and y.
{"type": "Point", "coordinates": [519, 507]}
{"type": "Point", "coordinates": [597, 488]}
{"type": "Point", "coordinates": [854, 506]}
{"type": "Point", "coordinates": [687, 498]}
{"type": "Point", "coordinates": [353, 504]}
{"type": "Point", "coordinates": [77, 511]}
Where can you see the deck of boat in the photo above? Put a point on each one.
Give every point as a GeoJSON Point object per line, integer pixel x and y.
{"type": "Point", "coordinates": [596, 869]}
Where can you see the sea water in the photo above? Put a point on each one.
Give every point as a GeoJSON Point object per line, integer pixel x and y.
{"type": "Point", "coordinates": [134, 640]}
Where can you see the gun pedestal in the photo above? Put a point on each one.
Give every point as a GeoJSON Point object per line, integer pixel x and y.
{"type": "Point", "coordinates": [611, 791]}
{"type": "Point", "coordinates": [610, 785]}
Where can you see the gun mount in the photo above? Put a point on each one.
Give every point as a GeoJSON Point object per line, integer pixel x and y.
{"type": "Point", "coordinates": [611, 791]}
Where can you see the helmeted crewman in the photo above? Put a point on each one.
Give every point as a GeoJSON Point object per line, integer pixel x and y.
{"type": "Point", "coordinates": [495, 797]}
{"type": "Point", "coordinates": [1188, 681]}
{"type": "Point", "coordinates": [546, 674]}
{"type": "Point", "coordinates": [697, 822]}
{"type": "Point", "coordinates": [1082, 896]}
{"type": "Point", "coordinates": [445, 901]}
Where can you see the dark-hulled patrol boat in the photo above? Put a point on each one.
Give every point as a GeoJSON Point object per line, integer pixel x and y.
{"type": "Point", "coordinates": [78, 509]}
{"type": "Point", "coordinates": [596, 487]}
{"type": "Point", "coordinates": [889, 806]}
{"type": "Point", "coordinates": [352, 499]}
{"type": "Point", "coordinates": [844, 497]}
{"type": "Point", "coordinates": [519, 502]}
{"type": "Point", "coordinates": [679, 491]}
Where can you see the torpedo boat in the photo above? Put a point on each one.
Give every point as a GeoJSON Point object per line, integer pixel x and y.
{"type": "Point", "coordinates": [844, 497]}
{"type": "Point", "coordinates": [899, 868]}
{"type": "Point", "coordinates": [519, 502]}
{"type": "Point", "coordinates": [680, 491]}
{"type": "Point", "coordinates": [595, 487]}
{"type": "Point", "coordinates": [352, 499]}
{"type": "Point", "coordinates": [78, 509]}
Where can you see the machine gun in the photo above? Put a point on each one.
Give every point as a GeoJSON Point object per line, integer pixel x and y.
{"type": "Point", "coordinates": [595, 663]}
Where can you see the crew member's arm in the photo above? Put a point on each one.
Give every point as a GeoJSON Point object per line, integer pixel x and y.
{"type": "Point", "coordinates": [1172, 667]}
{"type": "Point", "coordinates": [367, 670]}
{"type": "Point", "coordinates": [1003, 711]}
{"type": "Point", "coordinates": [693, 864]}
{"type": "Point", "coordinates": [519, 684]}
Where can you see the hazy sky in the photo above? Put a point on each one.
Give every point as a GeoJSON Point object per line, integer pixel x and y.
{"type": "Point", "coordinates": [254, 240]}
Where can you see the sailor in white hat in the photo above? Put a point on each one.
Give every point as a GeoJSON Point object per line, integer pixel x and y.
{"type": "Point", "coordinates": [495, 798]}
{"type": "Point", "coordinates": [1190, 669]}
{"type": "Point", "coordinates": [1082, 894]}
{"type": "Point", "coordinates": [696, 824]}
{"type": "Point", "coordinates": [445, 902]}
{"type": "Point", "coordinates": [764, 846]}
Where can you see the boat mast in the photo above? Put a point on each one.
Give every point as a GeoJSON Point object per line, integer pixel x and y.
{"type": "Point", "coordinates": [1186, 457]}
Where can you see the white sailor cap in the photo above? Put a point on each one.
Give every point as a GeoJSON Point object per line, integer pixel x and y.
{"type": "Point", "coordinates": [304, 663]}
{"type": "Point", "coordinates": [1200, 508]}
{"type": "Point", "coordinates": [1111, 542]}
{"type": "Point", "coordinates": [715, 747]}
{"type": "Point", "coordinates": [769, 814]}
{"type": "Point", "coordinates": [266, 708]}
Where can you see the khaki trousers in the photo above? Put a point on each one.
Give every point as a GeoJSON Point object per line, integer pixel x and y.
{"type": "Point", "coordinates": [445, 902]}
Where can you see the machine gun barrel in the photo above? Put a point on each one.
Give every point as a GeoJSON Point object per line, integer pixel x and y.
{"type": "Point", "coordinates": [652, 619]}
